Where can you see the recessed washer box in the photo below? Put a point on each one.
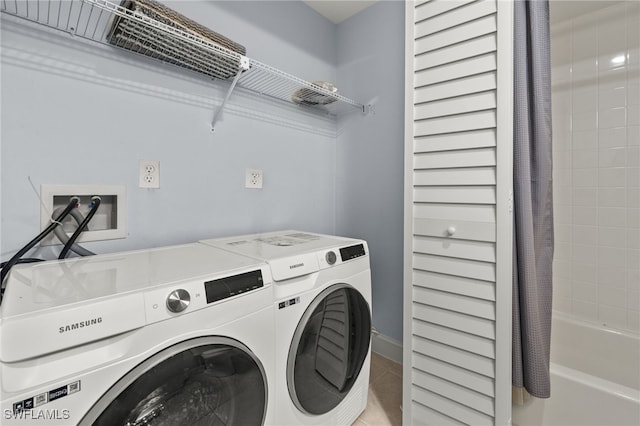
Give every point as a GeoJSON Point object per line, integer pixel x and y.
{"type": "Point", "coordinates": [109, 222]}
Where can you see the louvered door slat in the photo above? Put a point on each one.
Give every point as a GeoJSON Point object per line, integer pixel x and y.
{"type": "Point", "coordinates": [444, 405]}
{"type": "Point", "coordinates": [455, 284]}
{"type": "Point", "coordinates": [420, 3]}
{"type": "Point", "coordinates": [448, 194]}
{"type": "Point", "coordinates": [468, 103]}
{"type": "Point", "coordinates": [479, 45]}
{"type": "Point", "coordinates": [480, 403]}
{"type": "Point", "coordinates": [470, 306]}
{"type": "Point", "coordinates": [437, 7]}
{"type": "Point", "coordinates": [456, 123]}
{"type": "Point", "coordinates": [461, 358]}
{"type": "Point", "coordinates": [458, 339]}
{"type": "Point", "coordinates": [454, 320]}
{"type": "Point", "coordinates": [468, 31]}
{"type": "Point", "coordinates": [461, 140]}
{"type": "Point", "coordinates": [484, 271]}
{"type": "Point", "coordinates": [456, 17]}
{"type": "Point", "coordinates": [452, 88]}
{"type": "Point", "coordinates": [447, 371]}
{"type": "Point", "coordinates": [455, 176]}
{"type": "Point", "coordinates": [463, 158]}
{"type": "Point", "coordinates": [425, 416]}
{"type": "Point", "coordinates": [464, 249]}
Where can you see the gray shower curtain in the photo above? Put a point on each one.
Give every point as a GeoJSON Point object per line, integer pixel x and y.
{"type": "Point", "coordinates": [533, 210]}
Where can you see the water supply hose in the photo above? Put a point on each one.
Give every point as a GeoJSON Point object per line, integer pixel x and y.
{"type": "Point", "coordinates": [95, 203]}
{"type": "Point", "coordinates": [73, 203]}
{"type": "Point", "coordinates": [63, 237]}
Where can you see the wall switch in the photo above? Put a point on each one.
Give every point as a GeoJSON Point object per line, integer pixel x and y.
{"type": "Point", "coordinates": [149, 174]}
{"type": "Point", "coordinates": [253, 179]}
{"type": "Point", "coordinates": [109, 222]}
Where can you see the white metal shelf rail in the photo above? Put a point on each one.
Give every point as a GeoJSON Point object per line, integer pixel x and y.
{"type": "Point", "coordinates": [92, 19]}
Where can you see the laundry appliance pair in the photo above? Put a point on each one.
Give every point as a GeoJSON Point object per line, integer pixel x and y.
{"type": "Point", "coordinates": [260, 329]}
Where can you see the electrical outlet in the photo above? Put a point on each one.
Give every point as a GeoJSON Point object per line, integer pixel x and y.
{"type": "Point", "coordinates": [149, 174]}
{"type": "Point", "coordinates": [253, 179]}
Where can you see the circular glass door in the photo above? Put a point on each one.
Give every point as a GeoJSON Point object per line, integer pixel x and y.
{"type": "Point", "coordinates": [328, 349]}
{"type": "Point", "coordinates": [204, 381]}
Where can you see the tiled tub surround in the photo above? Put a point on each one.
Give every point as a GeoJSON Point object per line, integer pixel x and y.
{"type": "Point", "coordinates": [596, 136]}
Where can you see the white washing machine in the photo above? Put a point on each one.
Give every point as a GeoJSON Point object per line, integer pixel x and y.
{"type": "Point", "coordinates": [322, 304]}
{"type": "Point", "coordinates": [175, 335]}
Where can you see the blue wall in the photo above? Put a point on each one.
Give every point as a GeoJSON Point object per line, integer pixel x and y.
{"type": "Point", "coordinates": [77, 113]}
{"type": "Point", "coordinates": [370, 159]}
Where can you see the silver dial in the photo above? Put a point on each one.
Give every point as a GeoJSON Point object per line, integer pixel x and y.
{"type": "Point", "coordinates": [330, 257]}
{"type": "Point", "coordinates": [178, 300]}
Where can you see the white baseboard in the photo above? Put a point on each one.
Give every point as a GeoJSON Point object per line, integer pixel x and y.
{"type": "Point", "coordinates": [386, 346]}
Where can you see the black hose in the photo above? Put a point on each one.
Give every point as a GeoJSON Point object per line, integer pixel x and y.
{"type": "Point", "coordinates": [25, 260]}
{"type": "Point", "coordinates": [63, 237]}
{"type": "Point", "coordinates": [16, 257]}
{"type": "Point", "coordinates": [65, 250]}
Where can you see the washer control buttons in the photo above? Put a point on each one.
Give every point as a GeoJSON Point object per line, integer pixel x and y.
{"type": "Point", "coordinates": [178, 300]}
{"type": "Point", "coordinates": [330, 257]}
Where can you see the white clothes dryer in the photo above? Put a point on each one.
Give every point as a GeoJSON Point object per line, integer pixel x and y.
{"type": "Point", "coordinates": [166, 336]}
{"type": "Point", "coordinates": [322, 288]}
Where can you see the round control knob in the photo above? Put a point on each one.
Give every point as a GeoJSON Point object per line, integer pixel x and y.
{"type": "Point", "coordinates": [330, 257]}
{"type": "Point", "coordinates": [178, 300]}
{"type": "Point", "coordinates": [451, 230]}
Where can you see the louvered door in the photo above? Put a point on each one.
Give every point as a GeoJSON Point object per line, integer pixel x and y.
{"type": "Point", "coordinates": [457, 340]}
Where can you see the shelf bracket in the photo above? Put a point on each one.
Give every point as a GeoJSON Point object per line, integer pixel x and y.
{"type": "Point", "coordinates": [244, 65]}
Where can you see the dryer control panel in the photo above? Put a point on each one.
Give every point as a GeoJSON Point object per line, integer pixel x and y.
{"type": "Point", "coordinates": [339, 255]}
{"type": "Point", "coordinates": [351, 252]}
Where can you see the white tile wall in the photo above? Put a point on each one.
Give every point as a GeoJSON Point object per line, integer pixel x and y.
{"type": "Point", "coordinates": [596, 136]}
{"type": "Point", "coordinates": [633, 218]}
{"type": "Point", "coordinates": [612, 138]}
{"type": "Point", "coordinates": [611, 177]}
{"type": "Point", "coordinates": [613, 216]}
{"type": "Point", "coordinates": [633, 177]}
{"type": "Point", "coordinates": [633, 239]}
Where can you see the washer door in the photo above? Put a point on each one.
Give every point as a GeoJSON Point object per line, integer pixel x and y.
{"type": "Point", "coordinates": [328, 349]}
{"type": "Point", "coordinates": [203, 381]}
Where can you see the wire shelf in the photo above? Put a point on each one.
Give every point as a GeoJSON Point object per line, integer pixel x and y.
{"type": "Point", "coordinates": [95, 19]}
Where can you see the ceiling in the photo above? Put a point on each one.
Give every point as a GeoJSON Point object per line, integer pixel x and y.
{"type": "Point", "coordinates": [338, 10]}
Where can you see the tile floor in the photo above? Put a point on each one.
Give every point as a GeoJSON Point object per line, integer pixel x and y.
{"type": "Point", "coordinates": [385, 394]}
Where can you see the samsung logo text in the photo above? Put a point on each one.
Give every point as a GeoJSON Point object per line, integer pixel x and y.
{"type": "Point", "coordinates": [79, 325]}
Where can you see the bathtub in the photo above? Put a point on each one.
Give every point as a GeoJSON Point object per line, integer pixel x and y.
{"type": "Point", "coordinates": [595, 378]}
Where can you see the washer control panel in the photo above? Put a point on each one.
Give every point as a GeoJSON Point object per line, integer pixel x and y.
{"type": "Point", "coordinates": [188, 296]}
{"type": "Point", "coordinates": [234, 285]}
{"type": "Point", "coordinates": [178, 300]}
